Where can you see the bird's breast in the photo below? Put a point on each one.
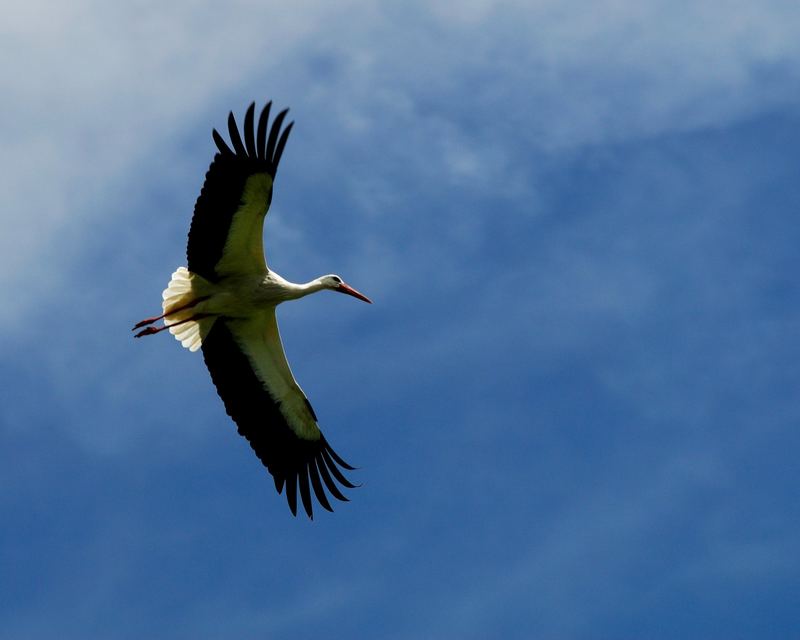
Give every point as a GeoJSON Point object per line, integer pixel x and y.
{"type": "Point", "coordinates": [243, 295]}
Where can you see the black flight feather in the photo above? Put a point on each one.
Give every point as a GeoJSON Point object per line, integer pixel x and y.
{"type": "Point", "coordinates": [236, 139]}
{"type": "Point", "coordinates": [281, 144]}
{"type": "Point", "coordinates": [318, 490]}
{"type": "Point", "coordinates": [249, 133]}
{"type": "Point", "coordinates": [261, 137]}
{"type": "Point", "coordinates": [273, 137]}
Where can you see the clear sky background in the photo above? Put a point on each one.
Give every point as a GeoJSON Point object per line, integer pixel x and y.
{"type": "Point", "coordinates": [574, 403]}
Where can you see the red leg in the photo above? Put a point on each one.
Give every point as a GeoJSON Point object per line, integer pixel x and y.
{"type": "Point", "coordinates": [142, 323]}
{"type": "Point", "coordinates": [149, 331]}
{"type": "Point", "coordinates": [146, 321]}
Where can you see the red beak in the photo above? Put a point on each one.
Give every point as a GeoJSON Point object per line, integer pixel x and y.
{"type": "Point", "coordinates": [343, 288]}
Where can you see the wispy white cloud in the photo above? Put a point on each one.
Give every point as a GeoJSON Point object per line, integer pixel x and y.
{"type": "Point", "coordinates": [92, 92]}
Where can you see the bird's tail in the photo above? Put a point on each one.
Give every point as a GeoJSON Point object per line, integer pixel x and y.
{"type": "Point", "coordinates": [183, 312]}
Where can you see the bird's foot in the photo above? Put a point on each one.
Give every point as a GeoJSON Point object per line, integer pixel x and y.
{"type": "Point", "coordinates": [149, 331]}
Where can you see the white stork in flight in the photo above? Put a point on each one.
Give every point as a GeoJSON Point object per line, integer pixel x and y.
{"type": "Point", "coordinates": [224, 303]}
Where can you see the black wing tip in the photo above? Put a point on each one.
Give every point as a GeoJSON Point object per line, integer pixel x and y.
{"type": "Point", "coordinates": [249, 131]}
{"type": "Point", "coordinates": [274, 149]}
{"type": "Point", "coordinates": [305, 493]}
{"type": "Point", "coordinates": [291, 494]}
{"type": "Point", "coordinates": [220, 142]}
{"type": "Point", "coordinates": [337, 457]}
{"type": "Point", "coordinates": [256, 144]}
{"type": "Point", "coordinates": [311, 477]}
{"type": "Point", "coordinates": [236, 139]}
{"type": "Point", "coordinates": [276, 156]}
{"type": "Point", "coordinates": [317, 485]}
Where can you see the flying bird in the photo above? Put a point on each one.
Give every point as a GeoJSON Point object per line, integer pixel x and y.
{"type": "Point", "coordinates": [224, 300]}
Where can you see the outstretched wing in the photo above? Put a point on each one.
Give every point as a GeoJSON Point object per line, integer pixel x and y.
{"type": "Point", "coordinates": [226, 236]}
{"type": "Point", "coordinates": [248, 366]}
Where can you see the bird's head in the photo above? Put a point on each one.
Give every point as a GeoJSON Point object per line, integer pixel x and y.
{"type": "Point", "coordinates": [335, 283]}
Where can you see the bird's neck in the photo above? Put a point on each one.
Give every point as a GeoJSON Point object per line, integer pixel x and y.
{"type": "Point", "coordinates": [276, 289]}
{"type": "Point", "coordinates": [300, 290]}
{"type": "Point", "coordinates": [311, 287]}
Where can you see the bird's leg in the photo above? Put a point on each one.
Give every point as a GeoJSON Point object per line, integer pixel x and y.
{"type": "Point", "coordinates": [146, 321]}
{"type": "Point", "coordinates": [142, 323]}
{"type": "Point", "coordinates": [149, 331]}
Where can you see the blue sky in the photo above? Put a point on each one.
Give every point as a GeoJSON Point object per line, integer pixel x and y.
{"type": "Point", "coordinates": [574, 402]}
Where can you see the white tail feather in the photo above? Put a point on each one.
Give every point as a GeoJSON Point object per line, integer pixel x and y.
{"type": "Point", "coordinates": [183, 289]}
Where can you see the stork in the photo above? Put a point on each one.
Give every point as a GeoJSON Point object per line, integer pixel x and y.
{"type": "Point", "coordinates": [224, 301]}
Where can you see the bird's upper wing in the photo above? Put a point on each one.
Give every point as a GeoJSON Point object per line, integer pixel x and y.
{"type": "Point", "coordinates": [226, 236]}
{"type": "Point", "coordinates": [247, 364]}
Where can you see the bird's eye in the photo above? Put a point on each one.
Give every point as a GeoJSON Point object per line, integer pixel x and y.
{"type": "Point", "coordinates": [337, 279]}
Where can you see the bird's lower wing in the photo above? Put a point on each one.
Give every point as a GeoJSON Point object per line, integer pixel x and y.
{"type": "Point", "coordinates": [247, 364]}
